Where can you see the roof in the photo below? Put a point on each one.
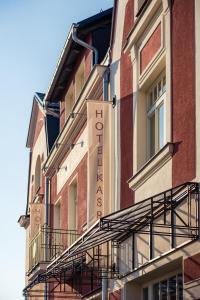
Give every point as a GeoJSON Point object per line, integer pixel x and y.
{"type": "Point", "coordinates": [91, 21]}
{"type": "Point", "coordinates": [72, 50]}
{"type": "Point", "coordinates": [37, 103]}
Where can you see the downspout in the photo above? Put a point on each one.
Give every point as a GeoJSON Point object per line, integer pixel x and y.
{"type": "Point", "coordinates": [104, 286]}
{"type": "Point", "coordinates": [105, 98]}
{"type": "Point", "coordinates": [46, 229]}
{"type": "Point", "coordinates": [106, 76]}
{"type": "Point", "coordinates": [84, 44]}
{"type": "Point", "coordinates": [171, 67]}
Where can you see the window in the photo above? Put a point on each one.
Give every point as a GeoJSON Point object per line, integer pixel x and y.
{"type": "Point", "coordinates": [146, 293]}
{"type": "Point", "coordinates": [69, 101]}
{"type": "Point", "coordinates": [56, 218]}
{"type": "Point", "coordinates": [72, 211]}
{"type": "Point", "coordinates": [37, 175]}
{"type": "Point", "coordinates": [168, 289]}
{"type": "Point", "coordinates": [139, 4]}
{"type": "Point", "coordinates": [79, 80]}
{"type": "Point", "coordinates": [156, 116]}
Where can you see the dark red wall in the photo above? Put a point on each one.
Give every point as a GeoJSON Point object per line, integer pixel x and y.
{"type": "Point", "coordinates": [81, 172]}
{"type": "Point", "coordinates": [192, 268]}
{"type": "Point", "coordinates": [129, 19]}
{"type": "Point", "coordinates": [183, 90]}
{"type": "Point", "coordinates": [150, 48]}
{"type": "Point", "coordinates": [126, 114]}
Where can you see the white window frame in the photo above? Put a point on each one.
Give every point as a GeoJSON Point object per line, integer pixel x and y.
{"type": "Point", "coordinates": [69, 101]}
{"type": "Point", "coordinates": [154, 109]}
{"type": "Point", "coordinates": [151, 284]}
{"type": "Point", "coordinates": [79, 79]}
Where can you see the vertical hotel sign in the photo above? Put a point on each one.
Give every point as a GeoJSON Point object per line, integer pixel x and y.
{"type": "Point", "coordinates": [98, 151]}
{"type": "Point", "coordinates": [37, 217]}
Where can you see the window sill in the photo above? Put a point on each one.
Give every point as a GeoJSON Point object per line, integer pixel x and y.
{"type": "Point", "coordinates": [151, 166]}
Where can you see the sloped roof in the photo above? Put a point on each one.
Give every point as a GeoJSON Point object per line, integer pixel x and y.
{"type": "Point", "coordinates": [37, 104]}
{"type": "Point", "coordinates": [71, 51]}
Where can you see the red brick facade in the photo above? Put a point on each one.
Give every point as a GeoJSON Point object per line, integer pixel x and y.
{"type": "Point", "coordinates": [126, 115]}
{"type": "Point", "coordinates": [183, 91]}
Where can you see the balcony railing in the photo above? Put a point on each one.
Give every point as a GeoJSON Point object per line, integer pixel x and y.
{"type": "Point", "coordinates": [48, 244]}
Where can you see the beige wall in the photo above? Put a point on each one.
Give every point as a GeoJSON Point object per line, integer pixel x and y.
{"type": "Point", "coordinates": [40, 148]}
{"type": "Point", "coordinates": [115, 91]}
{"type": "Point", "coordinates": [73, 159]}
{"type": "Point", "coordinates": [158, 182]}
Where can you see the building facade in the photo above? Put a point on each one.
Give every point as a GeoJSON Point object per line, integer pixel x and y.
{"type": "Point", "coordinates": [113, 208]}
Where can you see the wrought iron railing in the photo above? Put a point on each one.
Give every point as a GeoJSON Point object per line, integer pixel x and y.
{"type": "Point", "coordinates": [48, 244]}
{"type": "Point", "coordinates": [110, 248]}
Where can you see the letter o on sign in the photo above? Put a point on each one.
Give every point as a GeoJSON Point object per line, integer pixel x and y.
{"type": "Point", "coordinates": [99, 126]}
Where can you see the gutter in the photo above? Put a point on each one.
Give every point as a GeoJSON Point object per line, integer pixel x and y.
{"type": "Point", "coordinates": [84, 44]}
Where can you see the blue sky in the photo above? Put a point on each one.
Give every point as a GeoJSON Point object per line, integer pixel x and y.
{"type": "Point", "coordinates": [32, 34]}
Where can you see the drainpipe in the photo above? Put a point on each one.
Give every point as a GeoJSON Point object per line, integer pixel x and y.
{"type": "Point", "coordinates": [46, 229]}
{"type": "Point", "coordinates": [104, 286]}
{"type": "Point", "coordinates": [106, 76]}
{"type": "Point", "coordinates": [171, 68]}
{"type": "Point", "coordinates": [105, 98]}
{"type": "Point", "coordinates": [84, 44]}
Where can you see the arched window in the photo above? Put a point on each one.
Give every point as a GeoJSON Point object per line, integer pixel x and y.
{"type": "Point", "coordinates": [37, 174]}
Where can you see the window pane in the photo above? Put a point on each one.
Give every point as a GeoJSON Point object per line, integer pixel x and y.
{"type": "Point", "coordinates": [155, 93]}
{"type": "Point", "coordinates": [161, 126]}
{"type": "Point", "coordinates": [164, 84]}
{"type": "Point", "coordinates": [159, 89]}
{"type": "Point", "coordinates": [156, 291]}
{"type": "Point", "coordinates": [163, 290]}
{"type": "Point", "coordinates": [145, 293]}
{"type": "Point", "coordinates": [172, 288]}
{"type": "Point", "coordinates": [180, 286]}
{"type": "Point", "coordinates": [152, 134]}
{"type": "Point", "coordinates": [151, 99]}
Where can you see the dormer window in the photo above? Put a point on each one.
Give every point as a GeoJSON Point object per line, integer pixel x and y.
{"type": "Point", "coordinates": [69, 101]}
{"type": "Point", "coordinates": [79, 80]}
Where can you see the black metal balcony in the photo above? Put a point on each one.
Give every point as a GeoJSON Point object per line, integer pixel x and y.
{"type": "Point", "coordinates": [48, 244]}
{"type": "Point", "coordinates": [97, 254]}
